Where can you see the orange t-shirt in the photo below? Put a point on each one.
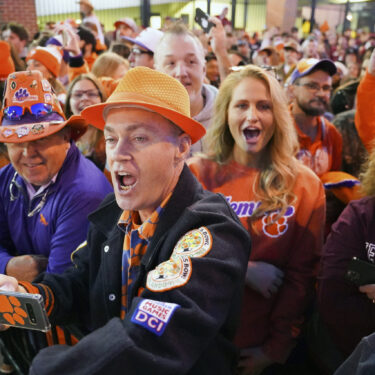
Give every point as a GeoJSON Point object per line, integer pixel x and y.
{"type": "Point", "coordinates": [324, 153]}
{"type": "Point", "coordinates": [293, 244]}
{"type": "Point", "coordinates": [365, 113]}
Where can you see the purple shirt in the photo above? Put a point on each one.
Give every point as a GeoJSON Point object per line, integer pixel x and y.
{"type": "Point", "coordinates": [61, 225]}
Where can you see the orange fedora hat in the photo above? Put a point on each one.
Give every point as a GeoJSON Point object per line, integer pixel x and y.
{"type": "Point", "coordinates": [31, 110]}
{"type": "Point", "coordinates": [153, 90]}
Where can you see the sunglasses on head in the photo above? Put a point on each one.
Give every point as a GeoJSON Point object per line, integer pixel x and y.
{"type": "Point", "coordinates": [138, 51]}
{"type": "Point", "coordinates": [15, 112]}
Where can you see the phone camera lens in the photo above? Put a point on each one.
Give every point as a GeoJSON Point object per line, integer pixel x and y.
{"type": "Point", "coordinates": [353, 276]}
{"type": "Point", "coordinates": [30, 313]}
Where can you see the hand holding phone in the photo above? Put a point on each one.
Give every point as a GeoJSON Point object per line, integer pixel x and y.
{"type": "Point", "coordinates": [360, 272]}
{"type": "Point", "coordinates": [23, 310]}
{"type": "Point", "coordinates": [201, 18]}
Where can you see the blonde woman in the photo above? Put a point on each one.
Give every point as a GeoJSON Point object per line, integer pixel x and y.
{"type": "Point", "coordinates": [110, 64]}
{"type": "Point", "coordinates": [252, 143]}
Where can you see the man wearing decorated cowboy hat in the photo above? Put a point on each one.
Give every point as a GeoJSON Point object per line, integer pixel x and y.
{"type": "Point", "coordinates": [49, 188]}
{"type": "Point", "coordinates": [159, 279]}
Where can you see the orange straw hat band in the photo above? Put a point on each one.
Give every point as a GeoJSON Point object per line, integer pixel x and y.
{"type": "Point", "coordinates": [153, 90]}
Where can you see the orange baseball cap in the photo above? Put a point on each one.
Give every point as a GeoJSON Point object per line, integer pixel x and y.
{"type": "Point", "coordinates": [344, 186]}
{"type": "Point", "coordinates": [153, 90]}
{"type": "Point", "coordinates": [31, 110]}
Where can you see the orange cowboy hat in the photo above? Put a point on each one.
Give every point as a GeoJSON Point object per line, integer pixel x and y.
{"type": "Point", "coordinates": [31, 110]}
{"type": "Point", "coordinates": [153, 90]}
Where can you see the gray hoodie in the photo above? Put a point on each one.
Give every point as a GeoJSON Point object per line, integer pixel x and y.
{"type": "Point", "coordinates": [206, 114]}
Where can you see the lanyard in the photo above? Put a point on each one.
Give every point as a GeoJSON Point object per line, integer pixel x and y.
{"type": "Point", "coordinates": [14, 184]}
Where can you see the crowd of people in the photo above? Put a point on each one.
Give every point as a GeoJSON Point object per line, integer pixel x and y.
{"type": "Point", "coordinates": [113, 147]}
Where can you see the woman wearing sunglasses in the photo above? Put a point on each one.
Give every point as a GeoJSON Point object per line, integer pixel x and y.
{"type": "Point", "coordinates": [251, 161]}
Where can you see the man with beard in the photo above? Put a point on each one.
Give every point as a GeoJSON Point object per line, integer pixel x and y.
{"type": "Point", "coordinates": [320, 142]}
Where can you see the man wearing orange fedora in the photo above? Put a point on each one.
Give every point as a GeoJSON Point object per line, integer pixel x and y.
{"type": "Point", "coordinates": [49, 187]}
{"type": "Point", "coordinates": [158, 282]}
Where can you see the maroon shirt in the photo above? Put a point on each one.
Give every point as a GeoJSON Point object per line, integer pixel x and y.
{"type": "Point", "coordinates": [348, 313]}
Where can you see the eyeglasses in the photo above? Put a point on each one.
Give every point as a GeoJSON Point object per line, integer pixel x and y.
{"type": "Point", "coordinates": [315, 87]}
{"type": "Point", "coordinates": [137, 51]}
{"type": "Point", "coordinates": [15, 112]}
{"type": "Point", "coordinates": [91, 94]}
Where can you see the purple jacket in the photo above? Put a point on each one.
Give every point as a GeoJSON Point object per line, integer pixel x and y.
{"type": "Point", "coordinates": [61, 225]}
{"type": "Point", "coordinates": [348, 313]}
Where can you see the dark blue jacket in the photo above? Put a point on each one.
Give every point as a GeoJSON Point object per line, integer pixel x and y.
{"type": "Point", "coordinates": [62, 224]}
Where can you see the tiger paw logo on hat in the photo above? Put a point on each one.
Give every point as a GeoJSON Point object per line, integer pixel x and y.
{"type": "Point", "coordinates": [23, 94]}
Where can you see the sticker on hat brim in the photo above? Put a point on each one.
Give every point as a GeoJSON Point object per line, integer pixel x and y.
{"type": "Point", "coordinates": [177, 271]}
{"type": "Point", "coordinates": [32, 130]}
{"type": "Point", "coordinates": [13, 85]}
{"type": "Point", "coordinates": [154, 315]}
{"type": "Point", "coordinates": [22, 131]}
{"type": "Point", "coordinates": [7, 132]}
{"type": "Point", "coordinates": [37, 129]}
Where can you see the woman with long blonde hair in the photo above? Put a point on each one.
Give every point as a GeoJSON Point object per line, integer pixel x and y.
{"type": "Point", "coordinates": [250, 159]}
